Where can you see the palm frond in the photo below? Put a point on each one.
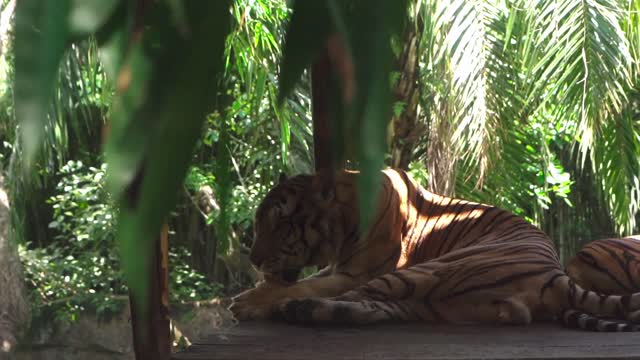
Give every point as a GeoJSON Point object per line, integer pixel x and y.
{"type": "Point", "coordinates": [617, 162]}
{"type": "Point", "coordinates": [631, 26]}
{"type": "Point", "coordinates": [252, 55]}
{"type": "Point", "coordinates": [483, 41]}
{"type": "Point", "coordinates": [584, 63]}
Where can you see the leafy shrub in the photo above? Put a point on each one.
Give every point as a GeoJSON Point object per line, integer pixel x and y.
{"type": "Point", "coordinates": [80, 270]}
{"type": "Point", "coordinates": [82, 210]}
{"type": "Point", "coordinates": [198, 177]}
{"type": "Point", "coordinates": [67, 285]}
{"type": "Point", "coordinates": [185, 284]}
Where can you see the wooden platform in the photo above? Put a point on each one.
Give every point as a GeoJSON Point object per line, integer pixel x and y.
{"type": "Point", "coordinates": [411, 341]}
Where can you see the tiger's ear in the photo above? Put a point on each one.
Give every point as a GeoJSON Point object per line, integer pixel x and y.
{"type": "Point", "coordinates": [323, 186]}
{"type": "Point", "coordinates": [282, 178]}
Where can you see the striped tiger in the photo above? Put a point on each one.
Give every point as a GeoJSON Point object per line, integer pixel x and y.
{"type": "Point", "coordinates": [425, 257]}
{"type": "Point", "coordinates": [609, 266]}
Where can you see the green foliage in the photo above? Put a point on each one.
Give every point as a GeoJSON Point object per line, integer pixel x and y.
{"type": "Point", "coordinates": [529, 176]}
{"type": "Point", "coordinates": [172, 77]}
{"type": "Point", "coordinates": [198, 177]}
{"type": "Point", "coordinates": [419, 173]}
{"type": "Point", "coordinates": [244, 202]}
{"type": "Point", "coordinates": [65, 284]}
{"type": "Point", "coordinates": [83, 212]}
{"type": "Point", "coordinates": [362, 112]}
{"type": "Point", "coordinates": [75, 118]}
{"type": "Point", "coordinates": [81, 270]}
{"type": "Point", "coordinates": [41, 34]}
{"type": "Point", "coordinates": [185, 284]}
{"type": "Point", "coordinates": [498, 76]}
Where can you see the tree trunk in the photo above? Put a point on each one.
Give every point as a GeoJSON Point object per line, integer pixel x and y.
{"type": "Point", "coordinates": [440, 159]}
{"type": "Point", "coordinates": [151, 331]}
{"type": "Point", "coordinates": [322, 143]}
{"type": "Point", "coordinates": [405, 128]}
{"type": "Point", "coordinates": [14, 308]}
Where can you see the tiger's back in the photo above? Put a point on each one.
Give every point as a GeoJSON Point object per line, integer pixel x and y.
{"type": "Point", "coordinates": [609, 266]}
{"type": "Point", "coordinates": [436, 225]}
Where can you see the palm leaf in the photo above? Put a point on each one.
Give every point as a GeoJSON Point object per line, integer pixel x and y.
{"type": "Point", "coordinates": [585, 61]}
{"type": "Point", "coordinates": [483, 42]}
{"type": "Point", "coordinates": [617, 162]}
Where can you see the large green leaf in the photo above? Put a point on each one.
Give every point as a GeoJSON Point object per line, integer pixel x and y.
{"type": "Point", "coordinates": [617, 164]}
{"type": "Point", "coordinates": [165, 85]}
{"type": "Point", "coordinates": [88, 16]}
{"type": "Point", "coordinates": [483, 44]}
{"type": "Point", "coordinates": [370, 28]}
{"type": "Point", "coordinates": [41, 37]}
{"type": "Point", "coordinates": [366, 28]}
{"type": "Point", "coordinates": [306, 36]}
{"type": "Point", "coordinates": [585, 61]}
{"type": "Point", "coordinates": [44, 30]}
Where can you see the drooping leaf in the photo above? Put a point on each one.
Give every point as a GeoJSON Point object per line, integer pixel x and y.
{"type": "Point", "coordinates": [617, 165]}
{"type": "Point", "coordinates": [42, 36]}
{"type": "Point", "coordinates": [585, 61]}
{"type": "Point", "coordinates": [87, 16]}
{"type": "Point", "coordinates": [306, 36]}
{"type": "Point", "coordinates": [482, 44]}
{"type": "Point", "coordinates": [369, 113]}
{"type": "Point", "coordinates": [163, 92]}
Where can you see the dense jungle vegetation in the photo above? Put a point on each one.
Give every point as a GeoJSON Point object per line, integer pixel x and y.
{"type": "Point", "coordinates": [531, 105]}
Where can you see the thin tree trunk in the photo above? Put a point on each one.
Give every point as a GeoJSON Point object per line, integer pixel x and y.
{"type": "Point", "coordinates": [14, 308]}
{"type": "Point", "coordinates": [440, 159]}
{"type": "Point", "coordinates": [151, 337]}
{"type": "Point", "coordinates": [322, 142]}
{"type": "Point", "coordinates": [405, 128]}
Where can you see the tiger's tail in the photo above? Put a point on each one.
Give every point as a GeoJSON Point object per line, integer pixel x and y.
{"type": "Point", "coordinates": [577, 319]}
{"type": "Point", "coordinates": [588, 310]}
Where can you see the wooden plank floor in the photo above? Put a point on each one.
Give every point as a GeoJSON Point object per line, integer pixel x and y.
{"type": "Point", "coordinates": [411, 341]}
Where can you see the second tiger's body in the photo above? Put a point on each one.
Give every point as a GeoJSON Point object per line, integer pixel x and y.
{"type": "Point", "coordinates": [609, 266]}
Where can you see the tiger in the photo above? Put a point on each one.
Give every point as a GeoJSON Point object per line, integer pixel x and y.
{"type": "Point", "coordinates": [609, 266]}
{"type": "Point", "coordinates": [425, 257]}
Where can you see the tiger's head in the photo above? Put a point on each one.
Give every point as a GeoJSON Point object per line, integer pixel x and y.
{"type": "Point", "coordinates": [291, 228]}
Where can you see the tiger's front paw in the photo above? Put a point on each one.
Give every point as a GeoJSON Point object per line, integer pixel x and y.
{"type": "Point", "coordinates": [257, 303]}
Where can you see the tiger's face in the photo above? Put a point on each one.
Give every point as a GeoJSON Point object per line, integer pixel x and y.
{"type": "Point", "coordinates": [288, 231]}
